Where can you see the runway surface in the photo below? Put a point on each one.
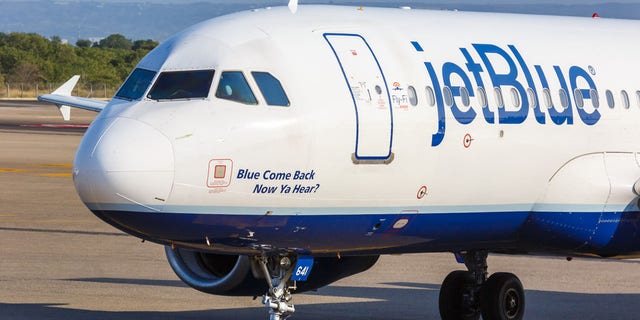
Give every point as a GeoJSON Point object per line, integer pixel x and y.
{"type": "Point", "coordinates": [58, 261]}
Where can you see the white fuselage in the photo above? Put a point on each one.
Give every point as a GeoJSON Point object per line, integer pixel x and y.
{"type": "Point", "coordinates": [354, 145]}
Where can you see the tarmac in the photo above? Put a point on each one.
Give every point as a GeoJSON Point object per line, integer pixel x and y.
{"type": "Point", "coordinates": [58, 261]}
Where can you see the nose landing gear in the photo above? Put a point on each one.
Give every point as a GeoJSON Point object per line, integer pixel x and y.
{"type": "Point", "coordinates": [277, 271]}
{"type": "Point", "coordinates": [465, 295]}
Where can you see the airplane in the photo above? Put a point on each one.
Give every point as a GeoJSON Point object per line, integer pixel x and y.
{"type": "Point", "coordinates": [281, 149]}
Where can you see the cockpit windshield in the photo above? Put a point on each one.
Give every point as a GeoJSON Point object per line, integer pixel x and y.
{"type": "Point", "coordinates": [173, 85]}
{"type": "Point", "coordinates": [136, 85]}
{"type": "Point", "coordinates": [271, 89]}
{"type": "Point", "coordinates": [233, 86]}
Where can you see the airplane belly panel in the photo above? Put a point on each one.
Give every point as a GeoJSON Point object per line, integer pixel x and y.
{"type": "Point", "coordinates": [324, 234]}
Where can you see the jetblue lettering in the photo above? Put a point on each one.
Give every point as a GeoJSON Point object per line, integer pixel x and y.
{"type": "Point", "coordinates": [504, 79]}
{"type": "Point", "coordinates": [539, 114]}
{"type": "Point", "coordinates": [512, 68]}
{"type": "Point", "coordinates": [476, 69]}
{"type": "Point", "coordinates": [449, 69]}
{"type": "Point", "coordinates": [576, 73]}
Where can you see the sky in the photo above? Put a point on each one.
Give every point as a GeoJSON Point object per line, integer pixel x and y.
{"type": "Point", "coordinates": [158, 19]}
{"type": "Point", "coordinates": [400, 3]}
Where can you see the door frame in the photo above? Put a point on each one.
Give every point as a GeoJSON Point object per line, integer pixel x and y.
{"type": "Point", "coordinates": [357, 159]}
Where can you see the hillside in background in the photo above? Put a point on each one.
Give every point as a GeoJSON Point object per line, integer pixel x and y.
{"type": "Point", "coordinates": [72, 20]}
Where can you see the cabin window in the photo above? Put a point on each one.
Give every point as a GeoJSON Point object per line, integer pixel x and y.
{"type": "Point", "coordinates": [413, 97]}
{"type": "Point", "coordinates": [515, 97]}
{"type": "Point", "coordinates": [482, 97]}
{"type": "Point", "coordinates": [175, 85]}
{"type": "Point", "coordinates": [234, 86]}
{"type": "Point", "coordinates": [271, 89]}
{"type": "Point", "coordinates": [547, 98]}
{"type": "Point", "coordinates": [499, 99]}
{"type": "Point", "coordinates": [638, 97]}
{"type": "Point", "coordinates": [431, 98]}
{"type": "Point", "coordinates": [464, 94]}
{"type": "Point", "coordinates": [625, 99]}
{"type": "Point", "coordinates": [610, 101]}
{"type": "Point", "coordinates": [579, 98]}
{"type": "Point", "coordinates": [595, 99]}
{"type": "Point", "coordinates": [564, 98]}
{"type": "Point", "coordinates": [533, 102]}
{"type": "Point", "coordinates": [136, 84]}
{"type": "Point", "coordinates": [448, 96]}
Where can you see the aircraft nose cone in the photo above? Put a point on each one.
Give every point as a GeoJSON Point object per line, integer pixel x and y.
{"type": "Point", "coordinates": [124, 164]}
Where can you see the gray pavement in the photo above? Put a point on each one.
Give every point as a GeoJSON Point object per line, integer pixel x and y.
{"type": "Point", "coordinates": [58, 261]}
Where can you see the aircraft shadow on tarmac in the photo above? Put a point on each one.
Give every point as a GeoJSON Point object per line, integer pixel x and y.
{"type": "Point", "coordinates": [90, 233]}
{"type": "Point", "coordinates": [403, 301]}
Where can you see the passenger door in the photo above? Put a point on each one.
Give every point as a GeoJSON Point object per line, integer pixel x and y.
{"type": "Point", "coordinates": [370, 95]}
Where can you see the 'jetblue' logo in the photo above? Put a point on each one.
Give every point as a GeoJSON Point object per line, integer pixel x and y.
{"type": "Point", "coordinates": [578, 79]}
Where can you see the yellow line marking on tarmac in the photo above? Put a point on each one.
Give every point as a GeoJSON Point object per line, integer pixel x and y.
{"type": "Point", "coordinates": [13, 170]}
{"type": "Point", "coordinates": [55, 175]}
{"type": "Point", "coordinates": [47, 221]}
{"type": "Point", "coordinates": [52, 165]}
{"type": "Point", "coordinates": [35, 168]}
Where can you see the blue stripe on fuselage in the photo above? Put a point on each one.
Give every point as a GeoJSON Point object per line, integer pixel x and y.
{"type": "Point", "coordinates": [558, 232]}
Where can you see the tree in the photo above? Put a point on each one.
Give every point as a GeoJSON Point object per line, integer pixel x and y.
{"type": "Point", "coordinates": [62, 64]}
{"type": "Point", "coordinates": [115, 41]}
{"type": "Point", "coordinates": [145, 44]}
{"type": "Point", "coordinates": [33, 44]}
{"type": "Point", "coordinates": [26, 72]}
{"type": "Point", "coordinates": [31, 58]}
{"type": "Point", "coordinates": [84, 43]}
{"type": "Point", "coordinates": [9, 58]}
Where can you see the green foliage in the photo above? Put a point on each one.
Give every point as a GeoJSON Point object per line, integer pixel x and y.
{"type": "Point", "coordinates": [115, 41]}
{"type": "Point", "coordinates": [84, 43]}
{"type": "Point", "coordinates": [26, 72]}
{"type": "Point", "coordinates": [144, 44]}
{"type": "Point", "coordinates": [31, 58]}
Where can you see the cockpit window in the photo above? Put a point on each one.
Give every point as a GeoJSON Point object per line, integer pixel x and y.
{"type": "Point", "coordinates": [173, 85]}
{"type": "Point", "coordinates": [271, 89]}
{"type": "Point", "coordinates": [136, 85]}
{"type": "Point", "coordinates": [233, 86]}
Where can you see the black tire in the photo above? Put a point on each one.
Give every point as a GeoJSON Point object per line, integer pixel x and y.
{"type": "Point", "coordinates": [502, 297]}
{"type": "Point", "coordinates": [451, 301]}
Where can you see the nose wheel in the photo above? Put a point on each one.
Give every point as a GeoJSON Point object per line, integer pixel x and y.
{"type": "Point", "coordinates": [465, 295]}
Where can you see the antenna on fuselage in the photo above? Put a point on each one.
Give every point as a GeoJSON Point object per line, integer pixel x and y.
{"type": "Point", "coordinates": [293, 6]}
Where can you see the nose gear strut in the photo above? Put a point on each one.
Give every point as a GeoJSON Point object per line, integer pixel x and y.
{"type": "Point", "coordinates": [277, 271]}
